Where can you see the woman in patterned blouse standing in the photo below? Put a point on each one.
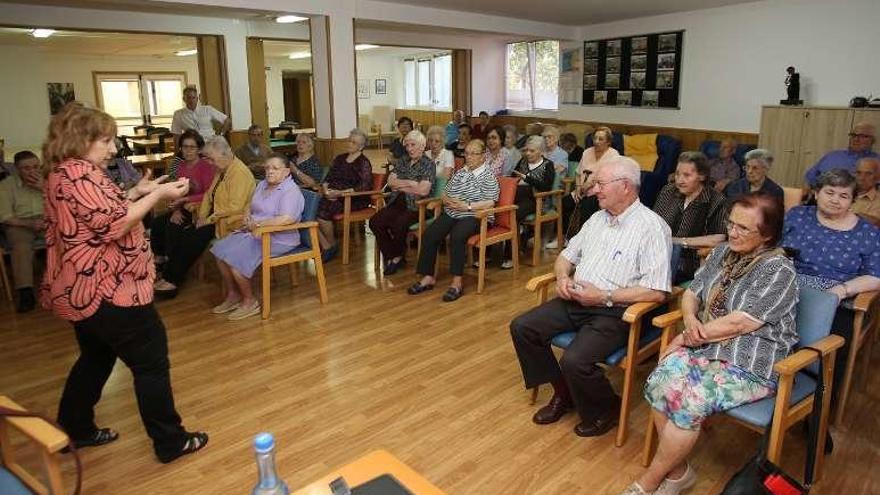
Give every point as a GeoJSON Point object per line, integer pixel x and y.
{"type": "Point", "coordinates": [99, 276]}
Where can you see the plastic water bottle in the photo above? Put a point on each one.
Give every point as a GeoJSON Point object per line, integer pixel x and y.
{"type": "Point", "coordinates": [269, 483]}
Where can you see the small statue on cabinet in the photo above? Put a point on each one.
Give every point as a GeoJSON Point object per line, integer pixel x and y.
{"type": "Point", "coordinates": [792, 87]}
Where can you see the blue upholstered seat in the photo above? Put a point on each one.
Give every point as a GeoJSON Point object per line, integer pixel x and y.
{"type": "Point", "coordinates": [309, 213]}
{"type": "Point", "coordinates": [11, 485]}
{"type": "Point", "coordinates": [711, 147]}
{"type": "Point", "coordinates": [563, 340]}
{"type": "Point", "coordinates": [761, 413]}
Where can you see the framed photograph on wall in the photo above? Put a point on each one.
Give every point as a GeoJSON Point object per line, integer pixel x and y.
{"type": "Point", "coordinates": [591, 50]}
{"type": "Point", "coordinates": [639, 44]}
{"type": "Point", "coordinates": [381, 86]}
{"type": "Point", "coordinates": [363, 88]}
{"type": "Point", "coordinates": [60, 94]}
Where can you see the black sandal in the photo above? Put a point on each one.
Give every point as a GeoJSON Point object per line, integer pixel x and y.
{"type": "Point", "coordinates": [194, 443]}
{"type": "Point", "coordinates": [452, 294]}
{"type": "Point", "coordinates": [418, 288]}
{"type": "Point", "coordinates": [99, 437]}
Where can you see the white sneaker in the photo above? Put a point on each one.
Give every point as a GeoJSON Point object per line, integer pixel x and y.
{"type": "Point", "coordinates": [635, 489]}
{"type": "Point", "coordinates": [674, 487]}
{"type": "Point", "coordinates": [552, 244]}
{"type": "Point", "coordinates": [225, 307]}
{"type": "Point", "coordinates": [507, 264]}
{"type": "Point", "coordinates": [245, 312]}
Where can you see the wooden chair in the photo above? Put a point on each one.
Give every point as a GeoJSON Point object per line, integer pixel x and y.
{"type": "Point", "coordinates": [504, 229]}
{"type": "Point", "coordinates": [4, 277]}
{"type": "Point", "coordinates": [862, 327]}
{"type": "Point", "coordinates": [350, 218]}
{"type": "Point", "coordinates": [794, 395]}
{"type": "Point", "coordinates": [309, 249]}
{"type": "Point", "coordinates": [792, 197]}
{"type": "Point", "coordinates": [545, 215]}
{"type": "Point", "coordinates": [14, 479]}
{"type": "Point", "coordinates": [639, 347]}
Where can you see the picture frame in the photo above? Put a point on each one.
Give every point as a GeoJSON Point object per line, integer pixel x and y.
{"type": "Point", "coordinates": [381, 86]}
{"type": "Point", "coordinates": [591, 50]}
{"type": "Point", "coordinates": [363, 88]}
{"type": "Point", "coordinates": [60, 94]}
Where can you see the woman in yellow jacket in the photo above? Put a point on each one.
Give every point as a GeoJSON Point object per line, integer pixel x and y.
{"type": "Point", "coordinates": [221, 211]}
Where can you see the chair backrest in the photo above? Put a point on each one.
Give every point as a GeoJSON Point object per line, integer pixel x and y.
{"type": "Point", "coordinates": [710, 148]}
{"type": "Point", "coordinates": [438, 187]}
{"type": "Point", "coordinates": [572, 168]}
{"type": "Point", "coordinates": [379, 179]}
{"type": "Point", "coordinates": [815, 313]}
{"type": "Point", "coordinates": [309, 213]}
{"type": "Point", "coordinates": [506, 195]}
{"type": "Point", "coordinates": [459, 162]}
{"type": "Point", "coordinates": [792, 197]}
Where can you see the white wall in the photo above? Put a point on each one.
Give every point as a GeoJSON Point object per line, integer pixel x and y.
{"type": "Point", "coordinates": [735, 59]}
{"type": "Point", "coordinates": [274, 85]}
{"type": "Point", "coordinates": [390, 68]}
{"type": "Point", "coordinates": [23, 94]}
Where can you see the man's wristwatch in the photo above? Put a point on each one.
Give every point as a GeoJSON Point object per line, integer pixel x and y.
{"type": "Point", "coordinates": [608, 302]}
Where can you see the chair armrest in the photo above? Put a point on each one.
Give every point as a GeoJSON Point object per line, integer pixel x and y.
{"type": "Point", "coordinates": [804, 357]}
{"type": "Point", "coordinates": [282, 228]}
{"type": "Point", "coordinates": [491, 211]}
{"type": "Point", "coordinates": [863, 301]}
{"type": "Point", "coordinates": [667, 320]}
{"type": "Point", "coordinates": [637, 310]}
{"type": "Point", "coordinates": [47, 436]}
{"type": "Point", "coordinates": [540, 281]}
{"type": "Point", "coordinates": [554, 192]}
{"type": "Point", "coordinates": [426, 202]}
{"type": "Point", "coordinates": [355, 194]}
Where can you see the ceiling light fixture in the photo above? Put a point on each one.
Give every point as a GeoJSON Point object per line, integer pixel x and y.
{"type": "Point", "coordinates": [364, 46]}
{"type": "Point", "coordinates": [299, 55]}
{"type": "Point", "coordinates": [186, 53]}
{"type": "Point", "coordinates": [288, 19]}
{"type": "Point", "coordinates": [42, 33]}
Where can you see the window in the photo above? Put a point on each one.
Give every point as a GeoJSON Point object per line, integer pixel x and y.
{"type": "Point", "coordinates": [532, 75]}
{"type": "Point", "coordinates": [140, 98]}
{"type": "Point", "coordinates": [428, 82]}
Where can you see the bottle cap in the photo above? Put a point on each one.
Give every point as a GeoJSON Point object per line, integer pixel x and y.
{"type": "Point", "coordinates": [264, 442]}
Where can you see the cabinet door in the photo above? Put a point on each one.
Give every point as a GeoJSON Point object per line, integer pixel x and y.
{"type": "Point", "coordinates": [824, 130]}
{"type": "Point", "coordinates": [781, 130]}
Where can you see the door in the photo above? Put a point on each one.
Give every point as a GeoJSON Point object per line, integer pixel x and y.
{"type": "Point", "coordinates": [781, 130]}
{"type": "Point", "coordinates": [297, 90]}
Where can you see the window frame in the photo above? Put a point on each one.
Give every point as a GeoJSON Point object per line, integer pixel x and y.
{"type": "Point", "coordinates": [143, 78]}
{"type": "Point", "coordinates": [432, 103]}
{"type": "Point", "coordinates": [531, 67]}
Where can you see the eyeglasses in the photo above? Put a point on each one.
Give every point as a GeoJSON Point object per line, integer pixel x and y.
{"type": "Point", "coordinates": [860, 136]}
{"type": "Point", "coordinates": [189, 147]}
{"type": "Point", "coordinates": [740, 229]}
{"type": "Point", "coordinates": [474, 153]}
{"type": "Point", "coordinates": [604, 183]}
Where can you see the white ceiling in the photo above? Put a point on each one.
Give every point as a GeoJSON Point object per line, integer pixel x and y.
{"type": "Point", "coordinates": [100, 43]}
{"type": "Point", "coordinates": [572, 12]}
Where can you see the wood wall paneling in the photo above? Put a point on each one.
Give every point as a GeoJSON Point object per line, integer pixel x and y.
{"type": "Point", "coordinates": [212, 73]}
{"type": "Point", "coordinates": [256, 64]}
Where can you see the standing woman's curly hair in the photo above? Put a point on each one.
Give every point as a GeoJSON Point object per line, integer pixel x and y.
{"type": "Point", "coordinates": [72, 130]}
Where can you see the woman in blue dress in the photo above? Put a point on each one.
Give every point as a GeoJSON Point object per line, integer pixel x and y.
{"type": "Point", "coordinates": [276, 201]}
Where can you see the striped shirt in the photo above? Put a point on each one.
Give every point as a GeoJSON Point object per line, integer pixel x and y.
{"type": "Point", "coordinates": [769, 294]}
{"type": "Point", "coordinates": [632, 249]}
{"type": "Point", "coordinates": [471, 186]}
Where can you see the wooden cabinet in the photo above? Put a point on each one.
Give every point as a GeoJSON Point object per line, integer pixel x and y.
{"type": "Point", "coordinates": [799, 136]}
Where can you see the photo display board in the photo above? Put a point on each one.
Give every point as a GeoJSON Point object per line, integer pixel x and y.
{"type": "Point", "coordinates": [635, 71]}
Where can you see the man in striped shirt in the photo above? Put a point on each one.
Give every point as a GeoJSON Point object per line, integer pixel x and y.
{"type": "Point", "coordinates": [620, 257]}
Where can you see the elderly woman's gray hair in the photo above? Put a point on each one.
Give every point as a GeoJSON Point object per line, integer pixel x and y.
{"type": "Point", "coordinates": [628, 169]}
{"type": "Point", "coordinates": [550, 129]}
{"type": "Point", "coordinates": [511, 129]}
{"type": "Point", "coordinates": [762, 155]}
{"type": "Point", "coordinates": [417, 138]}
{"type": "Point", "coordinates": [535, 142]}
{"type": "Point", "coordinates": [838, 177]}
{"type": "Point", "coordinates": [218, 145]}
{"type": "Point", "coordinates": [356, 132]}
{"type": "Point", "coordinates": [701, 163]}
{"type": "Point", "coordinates": [436, 130]}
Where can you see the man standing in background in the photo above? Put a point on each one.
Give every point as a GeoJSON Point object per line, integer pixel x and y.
{"type": "Point", "coordinates": [198, 117]}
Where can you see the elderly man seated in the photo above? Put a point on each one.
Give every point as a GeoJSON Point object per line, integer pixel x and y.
{"type": "Point", "coordinates": [21, 213]}
{"type": "Point", "coordinates": [620, 257]}
{"type": "Point", "coordinates": [254, 152]}
{"type": "Point", "coordinates": [867, 201]}
{"type": "Point", "coordinates": [724, 169]}
{"type": "Point", "coordinates": [758, 163]}
{"type": "Point", "coordinates": [452, 126]}
{"type": "Point", "coordinates": [861, 140]}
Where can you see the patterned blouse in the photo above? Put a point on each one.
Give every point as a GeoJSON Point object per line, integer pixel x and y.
{"type": "Point", "coordinates": [768, 293]}
{"type": "Point", "coordinates": [423, 170]}
{"type": "Point", "coordinates": [310, 167]}
{"type": "Point", "coordinates": [498, 161]}
{"type": "Point", "coordinates": [89, 259]}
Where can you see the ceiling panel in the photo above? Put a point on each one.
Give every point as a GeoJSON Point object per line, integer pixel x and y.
{"type": "Point", "coordinates": [99, 43]}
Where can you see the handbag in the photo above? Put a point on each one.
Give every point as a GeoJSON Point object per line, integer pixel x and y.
{"type": "Point", "coordinates": [7, 412]}
{"type": "Point", "coordinates": [760, 476]}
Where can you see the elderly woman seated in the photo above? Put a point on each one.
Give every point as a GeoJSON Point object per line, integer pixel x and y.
{"type": "Point", "coordinates": [582, 196]}
{"type": "Point", "coordinates": [497, 156]}
{"type": "Point", "coordinates": [835, 250]}
{"type": "Point", "coordinates": [694, 211]}
{"type": "Point", "coordinates": [458, 146]}
{"type": "Point", "coordinates": [306, 170]}
{"type": "Point", "coordinates": [276, 201]}
{"type": "Point", "coordinates": [568, 142]}
{"type": "Point", "coordinates": [397, 150]}
{"type": "Point", "coordinates": [221, 211]}
{"type": "Point", "coordinates": [473, 187]}
{"type": "Point", "coordinates": [200, 173]}
{"type": "Point", "coordinates": [552, 150]}
{"type": "Point", "coordinates": [409, 181]}
{"type": "Point", "coordinates": [536, 174]}
{"type": "Point", "coordinates": [444, 162]}
{"type": "Point", "coordinates": [739, 318]}
{"type": "Point", "coordinates": [724, 169]}
{"type": "Point", "coordinates": [758, 163]}
{"type": "Point", "coordinates": [511, 137]}
{"type": "Point", "coordinates": [349, 172]}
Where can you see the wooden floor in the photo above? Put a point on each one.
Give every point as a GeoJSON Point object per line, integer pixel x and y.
{"type": "Point", "coordinates": [436, 384]}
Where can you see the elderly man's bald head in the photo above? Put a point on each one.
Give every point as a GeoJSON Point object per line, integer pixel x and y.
{"type": "Point", "coordinates": [867, 174]}
{"type": "Point", "coordinates": [862, 137]}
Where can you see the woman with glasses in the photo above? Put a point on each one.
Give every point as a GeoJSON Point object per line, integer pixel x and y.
{"type": "Point", "coordinates": [694, 211]}
{"type": "Point", "coordinates": [349, 172]}
{"type": "Point", "coordinates": [739, 320]}
{"type": "Point", "coordinates": [836, 251]}
{"type": "Point", "coordinates": [552, 150]}
{"type": "Point", "coordinates": [200, 173]}
{"type": "Point", "coordinates": [473, 187]}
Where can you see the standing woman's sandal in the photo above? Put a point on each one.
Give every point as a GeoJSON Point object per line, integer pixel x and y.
{"type": "Point", "coordinates": [194, 442]}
